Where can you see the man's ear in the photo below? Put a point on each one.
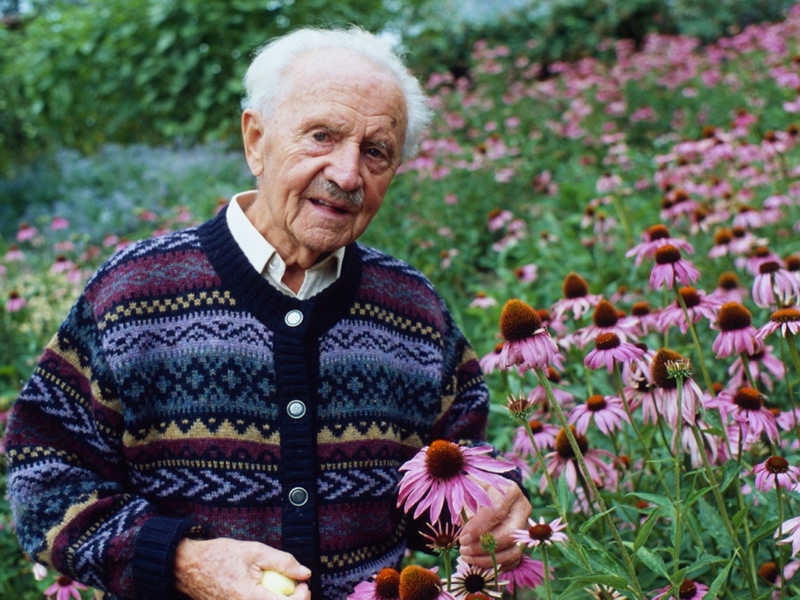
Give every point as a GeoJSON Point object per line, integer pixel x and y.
{"type": "Point", "coordinates": [253, 138]}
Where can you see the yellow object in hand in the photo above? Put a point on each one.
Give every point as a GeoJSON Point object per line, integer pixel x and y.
{"type": "Point", "coordinates": [278, 583]}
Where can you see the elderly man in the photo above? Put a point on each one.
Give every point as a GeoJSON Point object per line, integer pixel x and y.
{"type": "Point", "coordinates": [238, 397]}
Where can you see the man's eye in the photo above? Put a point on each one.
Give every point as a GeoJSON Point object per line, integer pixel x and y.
{"type": "Point", "coordinates": [321, 136]}
{"type": "Point", "coordinates": [375, 153]}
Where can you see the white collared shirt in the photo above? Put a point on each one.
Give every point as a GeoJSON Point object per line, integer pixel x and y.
{"type": "Point", "coordinates": [266, 260]}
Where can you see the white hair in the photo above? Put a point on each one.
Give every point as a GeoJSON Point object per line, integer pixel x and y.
{"type": "Point", "coordinates": [265, 80]}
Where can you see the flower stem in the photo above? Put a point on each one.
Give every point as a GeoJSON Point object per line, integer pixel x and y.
{"type": "Point", "coordinates": [590, 482]}
{"type": "Point", "coordinates": [546, 572]}
{"type": "Point", "coordinates": [780, 548]}
{"type": "Point", "coordinates": [712, 478]}
{"type": "Point", "coordinates": [701, 359]}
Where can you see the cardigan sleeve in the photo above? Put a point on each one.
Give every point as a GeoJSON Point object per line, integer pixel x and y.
{"type": "Point", "coordinates": [69, 490]}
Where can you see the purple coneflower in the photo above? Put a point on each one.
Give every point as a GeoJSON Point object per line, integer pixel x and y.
{"type": "Point", "coordinates": [605, 319]}
{"type": "Point", "coordinates": [785, 319]}
{"type": "Point", "coordinates": [711, 444]}
{"type": "Point", "coordinates": [654, 238]}
{"type": "Point", "coordinates": [385, 585]}
{"type": "Point", "coordinates": [14, 254]}
{"type": "Point", "coordinates": [757, 255]}
{"type": "Point", "coordinates": [528, 574]}
{"type": "Point", "coordinates": [544, 435]}
{"type": "Point", "coordinates": [419, 583]}
{"type": "Point", "coordinates": [443, 537]}
{"type": "Point", "coordinates": [608, 349]}
{"type": "Point", "coordinates": [482, 301]}
{"type": "Point", "coordinates": [15, 302]}
{"type": "Point", "coordinates": [791, 528]}
{"type": "Point", "coordinates": [775, 471]}
{"type": "Point", "coordinates": [446, 472]}
{"type": "Point", "coordinates": [576, 297]}
{"type": "Point", "coordinates": [688, 590]}
{"type": "Point", "coordinates": [746, 406]}
{"type": "Point", "coordinates": [764, 367]}
{"type": "Point", "coordinates": [728, 289]}
{"type": "Point", "coordinates": [670, 267]}
{"type": "Point", "coordinates": [642, 319]}
{"type": "Point", "coordinates": [775, 286]}
{"type": "Point", "coordinates": [65, 588]}
{"type": "Point", "coordinates": [737, 334]}
{"type": "Point", "coordinates": [24, 233]}
{"type": "Point", "coordinates": [607, 412]}
{"type": "Point", "coordinates": [598, 591]}
{"type": "Point", "coordinates": [562, 460]}
{"type": "Point", "coordinates": [722, 243]}
{"type": "Point", "coordinates": [491, 361]}
{"type": "Point", "coordinates": [698, 305]}
{"type": "Point", "coordinates": [526, 273]}
{"type": "Point", "coordinates": [541, 533]}
{"type": "Point", "coordinates": [469, 579]}
{"type": "Point", "coordinates": [527, 342]}
{"type": "Point", "coordinates": [666, 364]}
{"type": "Point", "coordinates": [770, 572]}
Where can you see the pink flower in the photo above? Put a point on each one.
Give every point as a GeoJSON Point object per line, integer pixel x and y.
{"type": "Point", "coordinates": [576, 297]}
{"type": "Point", "coordinates": [64, 588]}
{"type": "Point", "coordinates": [764, 367]}
{"type": "Point", "coordinates": [787, 320]}
{"type": "Point", "coordinates": [491, 361]}
{"type": "Point", "coordinates": [698, 305]}
{"type": "Point", "coordinates": [541, 533]}
{"type": "Point", "coordinates": [667, 368]}
{"type": "Point", "coordinates": [446, 472]}
{"type": "Point", "coordinates": [608, 349]}
{"type": "Point", "coordinates": [482, 301]}
{"type": "Point", "coordinates": [737, 334]}
{"type": "Point", "coordinates": [26, 232]}
{"type": "Point", "coordinates": [14, 254]}
{"type": "Point", "coordinates": [528, 574]}
{"type": "Point", "coordinates": [670, 267]}
{"type": "Point", "coordinates": [59, 223]}
{"type": "Point", "coordinates": [384, 585]}
{"type": "Point", "coordinates": [15, 302]}
{"type": "Point", "coordinates": [469, 579]}
{"type": "Point", "coordinates": [790, 527]}
{"type": "Point", "coordinates": [775, 471]}
{"type": "Point", "coordinates": [711, 445]}
{"type": "Point", "coordinates": [607, 412]}
{"type": "Point", "coordinates": [654, 238]}
{"type": "Point", "coordinates": [605, 319]}
{"type": "Point", "coordinates": [544, 436]}
{"type": "Point", "coordinates": [746, 405]}
{"type": "Point", "coordinates": [562, 461]}
{"type": "Point", "coordinates": [688, 590]}
{"type": "Point", "coordinates": [527, 273]}
{"type": "Point", "coordinates": [527, 341]}
{"type": "Point", "coordinates": [775, 286]}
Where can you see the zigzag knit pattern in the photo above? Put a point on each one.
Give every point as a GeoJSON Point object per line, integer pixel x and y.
{"type": "Point", "coordinates": [184, 395]}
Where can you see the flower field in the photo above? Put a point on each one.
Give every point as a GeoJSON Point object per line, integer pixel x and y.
{"type": "Point", "coordinates": [619, 239]}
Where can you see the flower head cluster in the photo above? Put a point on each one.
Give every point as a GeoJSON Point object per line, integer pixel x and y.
{"type": "Point", "coordinates": [527, 342]}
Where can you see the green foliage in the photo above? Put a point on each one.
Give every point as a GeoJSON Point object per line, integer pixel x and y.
{"type": "Point", "coordinates": [142, 71]}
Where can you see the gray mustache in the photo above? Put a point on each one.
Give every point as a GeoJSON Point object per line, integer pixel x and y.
{"type": "Point", "coordinates": [355, 198]}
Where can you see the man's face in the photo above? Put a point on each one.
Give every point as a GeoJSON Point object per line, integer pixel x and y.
{"type": "Point", "coordinates": [326, 155]}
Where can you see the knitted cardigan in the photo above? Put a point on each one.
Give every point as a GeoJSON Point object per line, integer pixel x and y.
{"type": "Point", "coordinates": [184, 395]}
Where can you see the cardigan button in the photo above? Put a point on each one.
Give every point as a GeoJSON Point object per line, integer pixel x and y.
{"type": "Point", "coordinates": [293, 318]}
{"type": "Point", "coordinates": [298, 496]}
{"type": "Point", "coordinates": [296, 409]}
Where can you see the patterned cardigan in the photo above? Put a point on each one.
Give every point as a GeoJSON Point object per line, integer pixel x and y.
{"type": "Point", "coordinates": [184, 395]}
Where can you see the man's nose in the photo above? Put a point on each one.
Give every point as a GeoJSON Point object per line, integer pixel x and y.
{"type": "Point", "coordinates": [345, 167]}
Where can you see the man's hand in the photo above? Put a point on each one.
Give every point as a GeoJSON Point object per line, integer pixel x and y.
{"type": "Point", "coordinates": [226, 569]}
{"type": "Point", "coordinates": [505, 514]}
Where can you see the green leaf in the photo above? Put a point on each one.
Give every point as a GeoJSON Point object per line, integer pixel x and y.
{"type": "Point", "coordinates": [652, 561]}
{"type": "Point", "coordinates": [716, 585]}
{"type": "Point", "coordinates": [645, 530]}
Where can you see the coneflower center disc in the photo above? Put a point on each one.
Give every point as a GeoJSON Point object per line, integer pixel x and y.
{"type": "Point", "coordinates": [563, 446]}
{"type": "Point", "coordinates": [733, 316]}
{"type": "Point", "coordinates": [777, 465]}
{"type": "Point", "coordinates": [536, 426]}
{"type": "Point", "coordinates": [792, 263]}
{"type": "Point", "coordinates": [640, 309]}
{"type": "Point", "coordinates": [723, 237]}
{"type": "Point", "coordinates": [605, 315]}
{"type": "Point", "coordinates": [574, 286]}
{"type": "Point", "coordinates": [658, 368]}
{"type": "Point", "coordinates": [667, 255]}
{"type": "Point", "coordinates": [444, 460]}
{"type": "Point", "coordinates": [606, 341]}
{"type": "Point", "coordinates": [770, 266]}
{"type": "Point", "coordinates": [596, 402]}
{"type": "Point", "coordinates": [658, 232]}
{"type": "Point", "coordinates": [387, 583]}
{"type": "Point", "coordinates": [418, 583]}
{"type": "Point", "coordinates": [474, 582]}
{"type": "Point", "coordinates": [518, 320]}
{"type": "Point", "coordinates": [785, 315]}
{"type": "Point", "coordinates": [540, 531]}
{"type": "Point", "coordinates": [728, 281]}
{"type": "Point", "coordinates": [690, 296]}
{"type": "Point", "coordinates": [769, 571]}
{"type": "Point", "coordinates": [688, 589]}
{"type": "Point", "coordinates": [748, 398]}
